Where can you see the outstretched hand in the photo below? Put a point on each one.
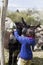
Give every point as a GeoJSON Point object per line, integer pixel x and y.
{"type": "Point", "coordinates": [14, 30]}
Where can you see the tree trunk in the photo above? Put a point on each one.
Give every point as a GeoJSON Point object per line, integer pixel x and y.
{"type": "Point", "coordinates": [2, 30]}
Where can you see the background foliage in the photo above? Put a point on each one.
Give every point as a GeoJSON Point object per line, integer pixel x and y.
{"type": "Point", "coordinates": [27, 15]}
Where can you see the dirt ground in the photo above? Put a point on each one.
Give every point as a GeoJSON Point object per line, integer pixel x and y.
{"type": "Point", "coordinates": [38, 54]}
{"type": "Point", "coordinates": [38, 57]}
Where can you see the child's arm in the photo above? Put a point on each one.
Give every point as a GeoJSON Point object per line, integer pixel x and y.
{"type": "Point", "coordinates": [19, 38]}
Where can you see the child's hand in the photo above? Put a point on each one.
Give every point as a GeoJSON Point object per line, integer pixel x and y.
{"type": "Point", "coordinates": [14, 29]}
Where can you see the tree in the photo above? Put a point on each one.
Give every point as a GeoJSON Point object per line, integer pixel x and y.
{"type": "Point", "coordinates": [2, 32]}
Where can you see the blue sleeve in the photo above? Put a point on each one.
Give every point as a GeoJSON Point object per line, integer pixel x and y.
{"type": "Point", "coordinates": [24, 39]}
{"type": "Point", "coordinates": [19, 38]}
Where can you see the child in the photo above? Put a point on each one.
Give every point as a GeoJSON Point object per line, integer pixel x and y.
{"type": "Point", "coordinates": [25, 55]}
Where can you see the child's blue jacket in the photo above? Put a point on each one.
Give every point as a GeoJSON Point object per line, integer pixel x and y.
{"type": "Point", "coordinates": [26, 42]}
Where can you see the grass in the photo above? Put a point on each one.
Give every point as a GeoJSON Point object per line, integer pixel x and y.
{"type": "Point", "coordinates": [37, 61]}
{"type": "Point", "coordinates": [37, 58]}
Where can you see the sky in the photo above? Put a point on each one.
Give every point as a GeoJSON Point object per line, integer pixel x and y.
{"type": "Point", "coordinates": [24, 4]}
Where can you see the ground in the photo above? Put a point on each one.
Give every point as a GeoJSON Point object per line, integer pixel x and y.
{"type": "Point", "coordinates": [37, 57]}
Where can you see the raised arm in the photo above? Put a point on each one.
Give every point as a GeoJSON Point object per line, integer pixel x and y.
{"type": "Point", "coordinates": [23, 39]}
{"type": "Point", "coordinates": [19, 38]}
